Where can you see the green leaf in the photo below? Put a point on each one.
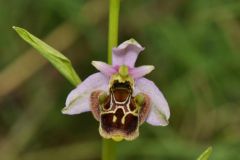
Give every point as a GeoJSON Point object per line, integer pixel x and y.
{"type": "Point", "coordinates": [58, 60]}
{"type": "Point", "coordinates": [205, 155]}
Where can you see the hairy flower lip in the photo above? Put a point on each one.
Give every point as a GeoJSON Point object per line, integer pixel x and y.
{"type": "Point", "coordinates": [120, 135]}
{"type": "Point", "coordinates": [123, 68]}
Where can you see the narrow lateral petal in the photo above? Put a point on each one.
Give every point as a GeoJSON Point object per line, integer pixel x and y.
{"type": "Point", "coordinates": [126, 53]}
{"type": "Point", "coordinates": [141, 71]}
{"type": "Point", "coordinates": [159, 112]}
{"type": "Point", "coordinates": [78, 100]}
{"type": "Point", "coordinates": [104, 68]}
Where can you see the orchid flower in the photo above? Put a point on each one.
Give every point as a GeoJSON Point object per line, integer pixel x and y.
{"type": "Point", "coordinates": [119, 97]}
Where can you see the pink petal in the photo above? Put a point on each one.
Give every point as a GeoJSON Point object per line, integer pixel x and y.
{"type": "Point", "coordinates": [141, 71]}
{"type": "Point", "coordinates": [106, 69]}
{"type": "Point", "coordinates": [78, 100]}
{"type": "Point", "coordinates": [126, 53]}
{"type": "Point", "coordinates": [159, 113]}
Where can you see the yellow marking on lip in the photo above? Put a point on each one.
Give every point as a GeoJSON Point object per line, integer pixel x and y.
{"type": "Point", "coordinates": [117, 138]}
{"type": "Point", "coordinates": [114, 119]}
{"type": "Point", "coordinates": [123, 119]}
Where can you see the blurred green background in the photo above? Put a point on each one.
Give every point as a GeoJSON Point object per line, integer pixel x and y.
{"type": "Point", "coordinates": [194, 45]}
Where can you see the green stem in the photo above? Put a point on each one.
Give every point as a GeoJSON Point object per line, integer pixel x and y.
{"type": "Point", "coordinates": [109, 146]}
{"type": "Point", "coordinates": [113, 27]}
{"type": "Point", "coordinates": [108, 149]}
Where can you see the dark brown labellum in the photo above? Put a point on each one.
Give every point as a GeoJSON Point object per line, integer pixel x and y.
{"type": "Point", "coordinates": [118, 112]}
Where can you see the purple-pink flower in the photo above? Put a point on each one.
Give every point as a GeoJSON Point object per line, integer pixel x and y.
{"type": "Point", "coordinates": [120, 98]}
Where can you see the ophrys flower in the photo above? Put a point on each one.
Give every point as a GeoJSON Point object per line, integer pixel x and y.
{"type": "Point", "coordinates": [119, 97]}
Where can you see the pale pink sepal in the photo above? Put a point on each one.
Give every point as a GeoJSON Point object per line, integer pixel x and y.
{"type": "Point", "coordinates": [159, 113]}
{"type": "Point", "coordinates": [78, 100]}
{"type": "Point", "coordinates": [126, 53]}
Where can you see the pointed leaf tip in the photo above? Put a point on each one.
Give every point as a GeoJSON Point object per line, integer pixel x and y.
{"type": "Point", "coordinates": [206, 154]}
{"type": "Point", "coordinates": [19, 30]}
{"type": "Point", "coordinates": [58, 60]}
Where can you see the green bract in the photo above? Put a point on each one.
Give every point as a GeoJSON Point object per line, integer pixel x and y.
{"type": "Point", "coordinates": [205, 155]}
{"type": "Point", "coordinates": [62, 63]}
